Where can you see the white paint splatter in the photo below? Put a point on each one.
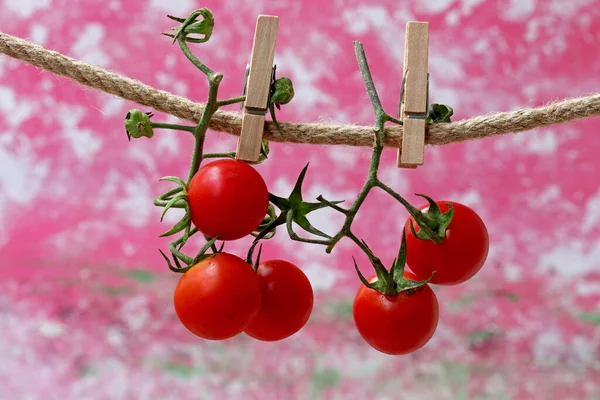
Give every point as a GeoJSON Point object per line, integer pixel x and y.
{"type": "Point", "coordinates": [343, 156]}
{"type": "Point", "coordinates": [591, 216]}
{"type": "Point", "coordinates": [517, 10]}
{"type": "Point", "coordinates": [547, 347]}
{"type": "Point", "coordinates": [128, 248]}
{"type": "Point", "coordinates": [21, 172]}
{"type": "Point", "coordinates": [26, 8]}
{"type": "Point", "coordinates": [543, 142]}
{"type": "Point", "coordinates": [359, 20]}
{"type": "Point", "coordinates": [394, 178]}
{"type": "Point", "coordinates": [85, 236]}
{"type": "Point", "coordinates": [114, 336]}
{"type": "Point", "coordinates": [549, 194]}
{"type": "Point", "coordinates": [512, 272]}
{"type": "Point", "coordinates": [452, 18]}
{"type": "Point", "coordinates": [467, 6]}
{"type": "Point", "coordinates": [570, 260]}
{"type": "Point", "coordinates": [447, 66]}
{"type": "Point", "coordinates": [51, 329]}
{"type": "Point", "coordinates": [88, 46]}
{"type": "Point", "coordinates": [84, 142]}
{"type": "Point", "coordinates": [435, 6]}
{"type": "Point", "coordinates": [15, 112]}
{"type": "Point", "coordinates": [112, 105]}
{"type": "Point", "coordinates": [322, 276]}
{"type": "Point", "coordinates": [306, 74]}
{"type": "Point", "coordinates": [135, 207]}
{"type": "Point", "coordinates": [38, 33]}
{"type": "Point", "coordinates": [173, 7]}
{"type": "Point", "coordinates": [135, 313]}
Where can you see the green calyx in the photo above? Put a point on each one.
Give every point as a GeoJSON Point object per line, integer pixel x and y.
{"type": "Point", "coordinates": [176, 198]}
{"type": "Point", "coordinates": [392, 282]}
{"type": "Point", "coordinates": [293, 210]}
{"type": "Point", "coordinates": [433, 223]}
{"type": "Point", "coordinates": [192, 26]}
{"type": "Point", "coordinates": [189, 261]}
{"type": "Point", "coordinates": [137, 124]}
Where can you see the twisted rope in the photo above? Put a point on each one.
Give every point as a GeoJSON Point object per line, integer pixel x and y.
{"type": "Point", "coordinates": [314, 133]}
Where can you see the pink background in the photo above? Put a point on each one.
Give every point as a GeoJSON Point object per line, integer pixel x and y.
{"type": "Point", "coordinates": [86, 301]}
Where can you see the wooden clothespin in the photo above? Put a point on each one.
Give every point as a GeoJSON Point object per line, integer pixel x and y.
{"type": "Point", "coordinates": [258, 86]}
{"type": "Point", "coordinates": [414, 99]}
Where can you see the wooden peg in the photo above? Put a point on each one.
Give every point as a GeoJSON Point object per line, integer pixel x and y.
{"type": "Point", "coordinates": [257, 88]}
{"type": "Point", "coordinates": [414, 102]}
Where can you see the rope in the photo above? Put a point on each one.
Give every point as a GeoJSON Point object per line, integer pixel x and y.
{"type": "Point", "coordinates": [314, 133]}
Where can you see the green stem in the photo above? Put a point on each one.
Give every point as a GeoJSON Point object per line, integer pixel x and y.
{"type": "Point", "coordinates": [214, 80]}
{"type": "Point", "coordinates": [421, 219]}
{"type": "Point", "coordinates": [220, 155]}
{"type": "Point", "coordinates": [176, 127]}
{"type": "Point", "coordinates": [188, 53]}
{"type": "Point", "coordinates": [233, 100]}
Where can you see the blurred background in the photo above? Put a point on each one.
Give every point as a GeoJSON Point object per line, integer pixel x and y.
{"type": "Point", "coordinates": [86, 300]}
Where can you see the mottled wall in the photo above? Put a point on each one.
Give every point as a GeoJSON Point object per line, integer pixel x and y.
{"type": "Point", "coordinates": [86, 301]}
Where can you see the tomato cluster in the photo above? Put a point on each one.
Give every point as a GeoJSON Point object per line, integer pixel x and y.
{"type": "Point", "coordinates": [405, 322]}
{"type": "Point", "coordinates": [222, 295]}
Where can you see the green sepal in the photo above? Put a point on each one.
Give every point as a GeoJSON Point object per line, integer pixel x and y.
{"type": "Point", "coordinates": [361, 276]}
{"type": "Point", "coordinates": [397, 270]}
{"type": "Point", "coordinates": [303, 223]}
{"type": "Point", "coordinates": [296, 196]}
{"type": "Point", "coordinates": [393, 282]}
{"type": "Point", "coordinates": [436, 221]}
{"type": "Point", "coordinates": [181, 225]}
{"type": "Point", "coordinates": [254, 264]}
{"type": "Point", "coordinates": [171, 203]}
{"type": "Point", "coordinates": [191, 26]}
{"type": "Point", "coordinates": [202, 253]}
{"type": "Point", "coordinates": [306, 207]}
{"type": "Point", "coordinates": [174, 179]}
{"type": "Point", "coordinates": [280, 202]}
{"type": "Point", "coordinates": [186, 233]}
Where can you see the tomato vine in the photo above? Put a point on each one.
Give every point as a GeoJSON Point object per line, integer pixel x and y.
{"type": "Point", "coordinates": [427, 224]}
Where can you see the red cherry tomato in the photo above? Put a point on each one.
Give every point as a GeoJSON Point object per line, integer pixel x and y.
{"type": "Point", "coordinates": [228, 199]}
{"type": "Point", "coordinates": [218, 297]}
{"type": "Point", "coordinates": [461, 254]}
{"type": "Point", "coordinates": [398, 324]}
{"type": "Point", "coordinates": [287, 301]}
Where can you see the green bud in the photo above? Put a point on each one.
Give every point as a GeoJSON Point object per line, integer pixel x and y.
{"type": "Point", "coordinates": [283, 91]}
{"type": "Point", "coordinates": [137, 124]}
{"type": "Point", "coordinates": [439, 113]}
{"type": "Point", "coordinates": [203, 27]}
